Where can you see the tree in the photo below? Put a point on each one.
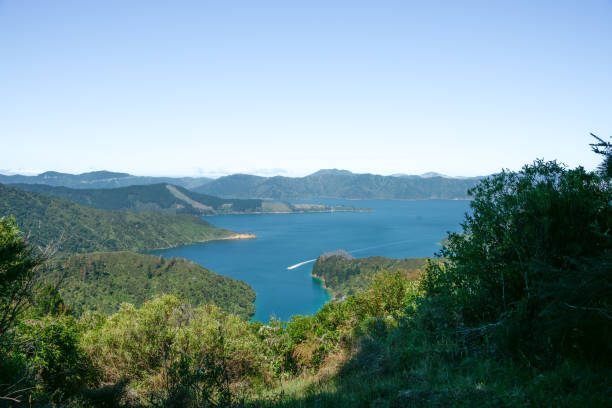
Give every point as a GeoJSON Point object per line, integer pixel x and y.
{"type": "Point", "coordinates": [605, 149]}
{"type": "Point", "coordinates": [533, 260]}
{"type": "Point", "coordinates": [18, 264]}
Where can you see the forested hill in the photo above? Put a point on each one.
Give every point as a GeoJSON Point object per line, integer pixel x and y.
{"type": "Point", "coordinates": [161, 198]}
{"type": "Point", "coordinates": [344, 275]}
{"type": "Point", "coordinates": [100, 179]}
{"type": "Point", "coordinates": [101, 281]}
{"type": "Point", "coordinates": [339, 184]}
{"type": "Point", "coordinates": [82, 229]}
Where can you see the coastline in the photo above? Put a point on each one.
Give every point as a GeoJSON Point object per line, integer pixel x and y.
{"type": "Point", "coordinates": [332, 210]}
{"type": "Point", "coordinates": [332, 294]}
{"type": "Point", "coordinates": [233, 236]}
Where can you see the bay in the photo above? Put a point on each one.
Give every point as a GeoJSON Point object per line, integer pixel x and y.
{"type": "Point", "coordinates": [395, 229]}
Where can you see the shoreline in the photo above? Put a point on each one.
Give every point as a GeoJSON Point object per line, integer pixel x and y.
{"type": "Point", "coordinates": [233, 236]}
{"type": "Point", "coordinates": [362, 199]}
{"type": "Point", "coordinates": [357, 210]}
{"type": "Point", "coordinates": [332, 294]}
{"type": "Point", "coordinates": [237, 236]}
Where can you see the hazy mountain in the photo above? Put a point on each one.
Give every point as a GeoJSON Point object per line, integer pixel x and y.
{"type": "Point", "coordinates": [430, 174]}
{"type": "Point", "coordinates": [323, 172]}
{"type": "Point", "coordinates": [100, 179]}
{"type": "Point", "coordinates": [323, 183]}
{"type": "Point", "coordinates": [339, 184]}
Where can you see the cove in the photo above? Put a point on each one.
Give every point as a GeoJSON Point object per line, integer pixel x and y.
{"type": "Point", "coordinates": [395, 229]}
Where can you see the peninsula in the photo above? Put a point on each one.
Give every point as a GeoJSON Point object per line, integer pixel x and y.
{"type": "Point", "coordinates": [172, 199]}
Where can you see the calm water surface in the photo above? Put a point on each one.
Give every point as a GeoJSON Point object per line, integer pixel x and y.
{"type": "Point", "coordinates": [395, 229]}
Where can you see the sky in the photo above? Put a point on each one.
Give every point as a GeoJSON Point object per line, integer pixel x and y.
{"type": "Point", "coordinates": [201, 88]}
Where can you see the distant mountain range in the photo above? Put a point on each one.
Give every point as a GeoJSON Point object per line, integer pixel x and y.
{"type": "Point", "coordinates": [331, 183]}
{"type": "Point", "coordinates": [100, 179]}
{"type": "Point", "coordinates": [429, 174]}
{"type": "Point", "coordinates": [339, 184]}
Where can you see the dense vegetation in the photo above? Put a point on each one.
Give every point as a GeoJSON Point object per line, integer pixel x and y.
{"type": "Point", "coordinates": [344, 275]}
{"type": "Point", "coordinates": [81, 229]}
{"type": "Point", "coordinates": [160, 198]}
{"type": "Point", "coordinates": [338, 184]}
{"type": "Point", "coordinates": [102, 281]}
{"type": "Point", "coordinates": [100, 179]}
{"type": "Point", "coordinates": [515, 313]}
{"type": "Point", "coordinates": [534, 262]}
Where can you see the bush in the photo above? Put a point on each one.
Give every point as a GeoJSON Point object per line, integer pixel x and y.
{"type": "Point", "coordinates": [167, 348]}
{"type": "Point", "coordinates": [532, 264]}
{"type": "Point", "coordinates": [17, 273]}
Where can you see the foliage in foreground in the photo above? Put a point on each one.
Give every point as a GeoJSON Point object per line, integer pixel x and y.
{"type": "Point", "coordinates": [165, 342]}
{"type": "Point", "coordinates": [18, 264]}
{"type": "Point", "coordinates": [532, 269]}
{"type": "Point", "coordinates": [101, 281]}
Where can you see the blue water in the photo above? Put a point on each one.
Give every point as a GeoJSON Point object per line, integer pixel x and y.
{"type": "Point", "coordinates": [395, 229]}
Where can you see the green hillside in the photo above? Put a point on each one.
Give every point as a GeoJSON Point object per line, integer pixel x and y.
{"type": "Point", "coordinates": [160, 198]}
{"type": "Point", "coordinates": [170, 199]}
{"type": "Point", "coordinates": [345, 275]}
{"type": "Point", "coordinates": [82, 229]}
{"type": "Point", "coordinates": [339, 184]}
{"type": "Point", "coordinates": [101, 281]}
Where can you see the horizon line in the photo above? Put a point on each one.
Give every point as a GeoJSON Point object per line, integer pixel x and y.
{"type": "Point", "coordinates": [218, 174]}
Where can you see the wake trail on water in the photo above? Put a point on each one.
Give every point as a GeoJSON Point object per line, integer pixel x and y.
{"type": "Point", "coordinates": [297, 265]}
{"type": "Point", "coordinates": [379, 246]}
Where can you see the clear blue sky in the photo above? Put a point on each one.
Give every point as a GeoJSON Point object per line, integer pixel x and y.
{"type": "Point", "coordinates": [196, 87]}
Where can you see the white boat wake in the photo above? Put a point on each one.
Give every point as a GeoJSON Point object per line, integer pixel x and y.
{"type": "Point", "coordinates": [379, 246]}
{"type": "Point", "coordinates": [297, 265]}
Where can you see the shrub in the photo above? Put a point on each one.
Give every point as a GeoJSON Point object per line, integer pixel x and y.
{"type": "Point", "coordinates": [167, 348]}
{"type": "Point", "coordinates": [532, 264]}
{"type": "Point", "coordinates": [50, 349]}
